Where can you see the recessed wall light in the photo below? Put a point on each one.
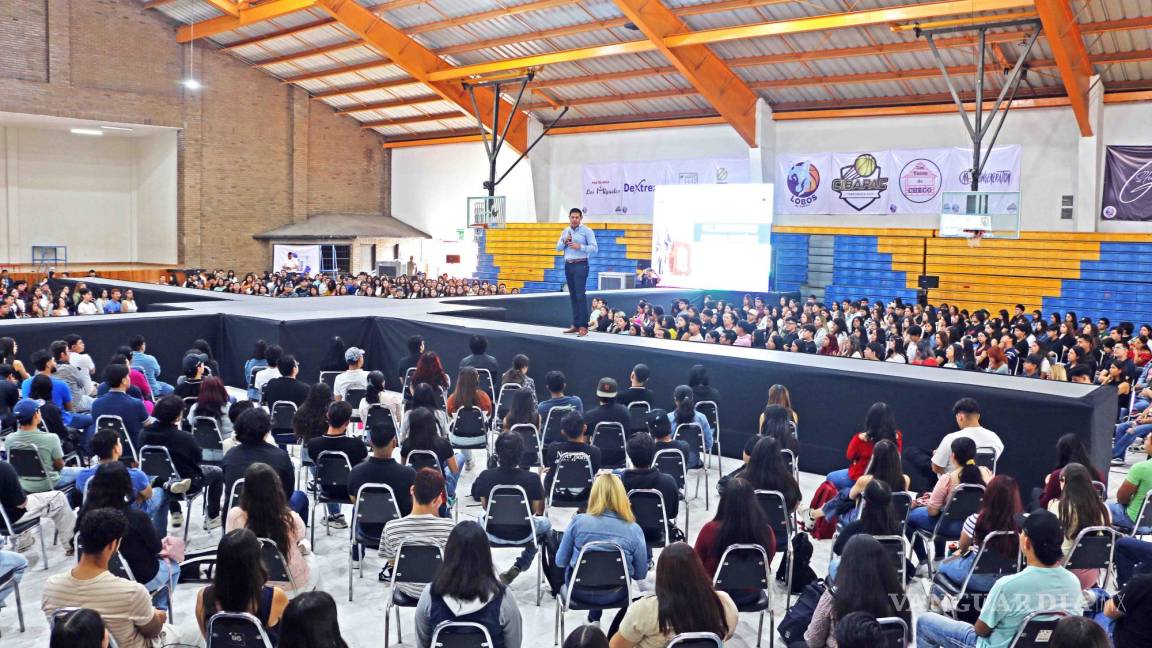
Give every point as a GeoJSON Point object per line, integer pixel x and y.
{"type": "Point", "coordinates": [87, 131]}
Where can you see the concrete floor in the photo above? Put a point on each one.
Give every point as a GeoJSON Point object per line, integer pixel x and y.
{"type": "Point", "coordinates": [362, 621]}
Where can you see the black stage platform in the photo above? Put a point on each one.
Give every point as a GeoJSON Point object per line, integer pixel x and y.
{"type": "Point", "coordinates": [831, 395]}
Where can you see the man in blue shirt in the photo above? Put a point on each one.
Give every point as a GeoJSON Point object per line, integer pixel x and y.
{"type": "Point", "coordinates": [148, 366]}
{"type": "Point", "coordinates": [61, 393]}
{"type": "Point", "coordinates": [117, 402]}
{"type": "Point", "coordinates": [556, 383]}
{"type": "Point", "coordinates": [578, 243]}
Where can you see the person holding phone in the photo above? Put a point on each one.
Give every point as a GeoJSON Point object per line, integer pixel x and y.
{"type": "Point", "coordinates": [578, 244]}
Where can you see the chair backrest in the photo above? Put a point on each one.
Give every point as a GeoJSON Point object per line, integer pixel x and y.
{"type": "Point", "coordinates": [418, 459]}
{"type": "Point", "coordinates": [119, 567]}
{"type": "Point", "coordinates": [1144, 519]}
{"type": "Point", "coordinates": [354, 395]}
{"type": "Point", "coordinates": [1093, 550]}
{"type": "Point", "coordinates": [252, 375]}
{"type": "Point", "coordinates": [895, 631]}
{"type": "Point", "coordinates": [901, 505]}
{"type": "Point", "coordinates": [408, 379]}
{"type": "Point", "coordinates": [332, 470]}
{"type": "Point", "coordinates": [552, 423]}
{"type": "Point", "coordinates": [964, 501]}
{"type": "Point", "coordinates": [896, 546]}
{"type": "Point", "coordinates": [651, 515]}
{"type": "Point", "coordinates": [206, 431]}
{"type": "Point", "coordinates": [485, 382]}
{"type": "Point", "coordinates": [381, 416]}
{"type": "Point", "coordinates": [1101, 489]}
{"type": "Point", "coordinates": [672, 462]}
{"type": "Point", "coordinates": [511, 511]}
{"type": "Point", "coordinates": [329, 378]}
{"type": "Point", "coordinates": [236, 630]}
{"type": "Point", "coordinates": [638, 415]}
{"type": "Point", "coordinates": [791, 462]}
{"type": "Point", "coordinates": [461, 634]}
{"type": "Point", "coordinates": [282, 415]}
{"type": "Point", "coordinates": [25, 458]}
{"type": "Point", "coordinates": [274, 562]}
{"type": "Point", "coordinates": [696, 640]}
{"type": "Point", "coordinates": [610, 437]}
{"type": "Point", "coordinates": [111, 421]}
{"type": "Point", "coordinates": [469, 422]}
{"type": "Point", "coordinates": [743, 567]}
{"type": "Point", "coordinates": [711, 412]}
{"type": "Point", "coordinates": [691, 434]}
{"type": "Point", "coordinates": [187, 403]}
{"type": "Point", "coordinates": [234, 494]}
{"type": "Point", "coordinates": [156, 461]}
{"type": "Point", "coordinates": [776, 508]}
{"type": "Point", "coordinates": [503, 399]}
{"type": "Point", "coordinates": [791, 425]}
{"type": "Point", "coordinates": [417, 563]}
{"type": "Point", "coordinates": [375, 504]}
{"type": "Point", "coordinates": [1036, 629]}
{"type": "Point", "coordinates": [990, 562]}
{"type": "Point", "coordinates": [532, 449]}
{"type": "Point", "coordinates": [572, 474]}
{"type": "Point", "coordinates": [601, 565]}
{"type": "Point", "coordinates": [986, 458]}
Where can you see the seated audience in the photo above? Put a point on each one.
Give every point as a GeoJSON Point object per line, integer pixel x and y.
{"type": "Point", "coordinates": [479, 358]}
{"type": "Point", "coordinates": [509, 449]}
{"type": "Point", "coordinates": [310, 621]}
{"type": "Point", "coordinates": [187, 458]}
{"type": "Point", "coordinates": [311, 418]}
{"type": "Point", "coordinates": [354, 377]}
{"type": "Point", "coordinates": [574, 445]}
{"type": "Point", "coordinates": [641, 449]}
{"type": "Point", "coordinates": [20, 506]}
{"type": "Point", "coordinates": [336, 439]}
{"type": "Point", "coordinates": [240, 584]}
{"type": "Point", "coordinates": [878, 518]}
{"type": "Point", "coordinates": [859, 630]}
{"type": "Point", "coordinates": [286, 387]}
{"type": "Point", "coordinates": [80, 628]}
{"type": "Point", "coordinates": [739, 519]}
{"type": "Point", "coordinates": [213, 402]}
{"type": "Point", "coordinates": [117, 402]}
{"type": "Point", "coordinates": [152, 500]}
{"type": "Point", "coordinates": [685, 413]}
{"type": "Point", "coordinates": [1069, 449]}
{"type": "Point", "coordinates": [263, 509]}
{"type": "Point", "coordinates": [609, 411]}
{"type": "Point", "coordinates": [866, 582]}
{"type": "Point", "coordinates": [424, 396]}
{"type": "Point", "coordinates": [270, 371]}
{"type": "Point", "coordinates": [924, 514]}
{"type": "Point", "coordinates": [638, 387]}
{"type": "Point", "coordinates": [1078, 507]}
{"type": "Point", "coordinates": [28, 435]}
{"type": "Point", "coordinates": [1132, 493]}
{"type": "Point", "coordinates": [257, 362]}
{"type": "Point", "coordinates": [423, 435]}
{"type": "Point", "coordinates": [556, 383]}
{"type": "Point", "coordinates": [252, 428]}
{"type": "Point", "coordinates": [381, 468]}
{"type": "Point", "coordinates": [1128, 614]}
{"type": "Point", "coordinates": [999, 511]}
{"type": "Point", "coordinates": [422, 526]}
{"type": "Point", "coordinates": [879, 424]}
{"type": "Point", "coordinates": [586, 636]}
{"type": "Point", "coordinates": [195, 369]}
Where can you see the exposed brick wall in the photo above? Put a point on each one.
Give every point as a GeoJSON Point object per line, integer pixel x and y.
{"type": "Point", "coordinates": [254, 153]}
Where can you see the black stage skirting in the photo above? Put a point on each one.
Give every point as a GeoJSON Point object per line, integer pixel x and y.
{"type": "Point", "coordinates": [831, 395]}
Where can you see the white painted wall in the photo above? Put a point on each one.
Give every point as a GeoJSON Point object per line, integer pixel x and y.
{"type": "Point", "coordinates": [1127, 124]}
{"type": "Point", "coordinates": [108, 199]}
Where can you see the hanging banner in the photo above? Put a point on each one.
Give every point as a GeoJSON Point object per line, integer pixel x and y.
{"type": "Point", "coordinates": [302, 259]}
{"type": "Point", "coordinates": [919, 180]}
{"type": "Point", "coordinates": [802, 183]}
{"type": "Point", "coordinates": [861, 182]}
{"type": "Point", "coordinates": [626, 188]}
{"type": "Point", "coordinates": [1001, 170]}
{"type": "Point", "coordinates": [1127, 184]}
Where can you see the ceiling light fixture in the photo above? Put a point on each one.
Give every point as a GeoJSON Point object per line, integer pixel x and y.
{"type": "Point", "coordinates": [121, 129]}
{"type": "Point", "coordinates": [191, 83]}
{"type": "Point", "coordinates": [87, 131]}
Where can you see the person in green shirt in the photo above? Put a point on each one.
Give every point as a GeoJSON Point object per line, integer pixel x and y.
{"type": "Point", "coordinates": [1131, 494]}
{"type": "Point", "coordinates": [46, 444]}
{"type": "Point", "coordinates": [1044, 585]}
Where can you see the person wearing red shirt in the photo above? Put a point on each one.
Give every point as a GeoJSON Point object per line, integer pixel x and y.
{"type": "Point", "coordinates": [879, 424]}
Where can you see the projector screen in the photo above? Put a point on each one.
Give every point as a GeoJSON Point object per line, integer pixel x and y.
{"type": "Point", "coordinates": [714, 237]}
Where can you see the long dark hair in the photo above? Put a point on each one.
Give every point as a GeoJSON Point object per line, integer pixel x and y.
{"type": "Point", "coordinates": [82, 628]}
{"type": "Point", "coordinates": [886, 464]}
{"type": "Point", "coordinates": [310, 621]}
{"type": "Point", "coordinates": [879, 423]}
{"type": "Point", "coordinates": [311, 419]}
{"type": "Point", "coordinates": [775, 425]}
{"type": "Point", "coordinates": [1070, 449]}
{"type": "Point", "coordinates": [375, 387]}
{"type": "Point", "coordinates": [40, 388]}
{"type": "Point", "coordinates": [741, 519]}
{"type": "Point", "coordinates": [109, 487]}
{"type": "Point", "coordinates": [264, 503]}
{"type": "Point", "coordinates": [7, 350]}
{"type": "Point", "coordinates": [766, 470]}
{"type": "Point", "coordinates": [467, 573]}
{"type": "Point", "coordinates": [878, 516]}
{"type": "Point", "coordinates": [684, 594]}
{"type": "Point", "coordinates": [334, 358]}
{"type": "Point", "coordinates": [867, 582]}
{"type": "Point", "coordinates": [1080, 504]}
{"type": "Point", "coordinates": [239, 576]}
{"type": "Point", "coordinates": [685, 411]}
{"type": "Point", "coordinates": [467, 384]}
{"type": "Point", "coordinates": [964, 449]}
{"type": "Point", "coordinates": [998, 512]}
{"type": "Point", "coordinates": [422, 430]}
{"type": "Point", "coordinates": [522, 409]}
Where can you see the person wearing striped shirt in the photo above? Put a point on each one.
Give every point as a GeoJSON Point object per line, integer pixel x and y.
{"type": "Point", "coordinates": [423, 526]}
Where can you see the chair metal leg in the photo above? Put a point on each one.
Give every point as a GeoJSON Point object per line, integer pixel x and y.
{"type": "Point", "coordinates": [788, 581]}
{"type": "Point", "coordinates": [719, 455]}
{"type": "Point", "coordinates": [43, 547]}
{"type": "Point", "coordinates": [706, 488]}
{"type": "Point", "coordinates": [19, 605]}
{"type": "Point", "coordinates": [556, 625]}
{"type": "Point", "coordinates": [351, 551]}
{"type": "Point", "coordinates": [399, 639]}
{"type": "Point", "coordinates": [760, 630]}
{"type": "Point", "coordinates": [539, 575]}
{"type": "Point", "coordinates": [387, 626]}
{"type": "Point", "coordinates": [771, 628]}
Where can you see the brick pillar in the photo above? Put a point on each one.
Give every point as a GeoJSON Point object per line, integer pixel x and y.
{"type": "Point", "coordinates": [300, 105]}
{"type": "Point", "coordinates": [59, 42]}
{"type": "Point", "coordinates": [189, 174]}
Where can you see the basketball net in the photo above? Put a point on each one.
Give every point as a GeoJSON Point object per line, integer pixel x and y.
{"type": "Point", "coordinates": [974, 237]}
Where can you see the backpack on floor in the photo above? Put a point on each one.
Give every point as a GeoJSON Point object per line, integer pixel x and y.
{"type": "Point", "coordinates": [802, 573]}
{"type": "Point", "coordinates": [823, 529]}
{"type": "Point", "coordinates": [553, 573]}
{"type": "Point", "coordinates": [796, 621]}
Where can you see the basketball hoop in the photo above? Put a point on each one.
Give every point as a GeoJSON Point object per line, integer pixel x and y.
{"type": "Point", "coordinates": [974, 237]}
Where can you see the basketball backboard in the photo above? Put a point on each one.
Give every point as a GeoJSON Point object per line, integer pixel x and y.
{"type": "Point", "coordinates": [992, 214]}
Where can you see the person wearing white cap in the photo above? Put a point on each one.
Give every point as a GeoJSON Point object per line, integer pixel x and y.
{"type": "Point", "coordinates": [354, 378]}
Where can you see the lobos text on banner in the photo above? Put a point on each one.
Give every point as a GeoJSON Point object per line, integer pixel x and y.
{"type": "Point", "coordinates": [1127, 184]}
{"type": "Point", "coordinates": [900, 181]}
{"type": "Point", "coordinates": [626, 188]}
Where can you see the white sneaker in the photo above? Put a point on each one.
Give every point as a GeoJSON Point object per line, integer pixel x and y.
{"type": "Point", "coordinates": [177, 518]}
{"type": "Point", "coordinates": [180, 487]}
{"type": "Point", "coordinates": [213, 523]}
{"type": "Point", "coordinates": [25, 541]}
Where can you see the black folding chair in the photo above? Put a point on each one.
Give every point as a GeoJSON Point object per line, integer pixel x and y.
{"type": "Point", "coordinates": [897, 547]}
{"type": "Point", "coordinates": [11, 529]}
{"type": "Point", "coordinates": [609, 436]}
{"type": "Point", "coordinates": [1094, 549]}
{"type": "Point", "coordinates": [902, 505]}
{"type": "Point", "coordinates": [156, 462]}
{"type": "Point", "coordinates": [25, 458]}
{"type": "Point", "coordinates": [330, 485]}
{"type": "Point", "coordinates": [691, 434]}
{"type": "Point", "coordinates": [418, 459]}
{"type": "Point", "coordinates": [651, 516]}
{"type": "Point", "coordinates": [792, 462]}
{"type": "Point", "coordinates": [111, 421]}
{"type": "Point", "coordinates": [415, 564]}
{"type": "Point", "coordinates": [461, 634]}
{"type": "Point", "coordinates": [745, 568]}
{"type": "Point", "coordinates": [1144, 519]}
{"type": "Point", "coordinates": [119, 567]}
{"type": "Point", "coordinates": [375, 507]}
{"type": "Point", "coordinates": [502, 400]}
{"type": "Point", "coordinates": [282, 414]}
{"type": "Point", "coordinates": [186, 406]}
{"type": "Point", "coordinates": [235, 492]}
{"type": "Point", "coordinates": [783, 526]}
{"type": "Point", "coordinates": [355, 396]}
{"type": "Point", "coordinates": [485, 383]}
{"type": "Point", "coordinates": [638, 416]}
{"type": "Point", "coordinates": [508, 517]}
{"type": "Point", "coordinates": [533, 453]}
{"type": "Point", "coordinates": [468, 429]}
{"type": "Point", "coordinates": [329, 378]}
{"type": "Point", "coordinates": [552, 424]}
{"type": "Point", "coordinates": [964, 501]}
{"type": "Point", "coordinates": [601, 568]}
{"type": "Point", "coordinates": [276, 564]}
{"type": "Point", "coordinates": [206, 431]}
{"type": "Point", "coordinates": [711, 412]}
{"type": "Point", "coordinates": [986, 458]}
{"type": "Point", "coordinates": [381, 416]}
{"type": "Point", "coordinates": [9, 579]}
{"type": "Point", "coordinates": [696, 640]}
{"type": "Point", "coordinates": [896, 633]}
{"type": "Point", "coordinates": [572, 477]}
{"type": "Point", "coordinates": [236, 630]}
{"type": "Point", "coordinates": [989, 563]}
{"type": "Point", "coordinates": [1036, 629]}
{"type": "Point", "coordinates": [673, 463]}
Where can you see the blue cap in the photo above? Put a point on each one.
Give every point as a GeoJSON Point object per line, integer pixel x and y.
{"type": "Point", "coordinates": [26, 409]}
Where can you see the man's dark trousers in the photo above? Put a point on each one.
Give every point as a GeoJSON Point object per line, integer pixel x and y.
{"type": "Point", "coordinates": [576, 276]}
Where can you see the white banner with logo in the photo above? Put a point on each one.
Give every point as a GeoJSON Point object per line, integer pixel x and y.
{"type": "Point", "coordinates": [626, 188]}
{"type": "Point", "coordinates": [900, 181]}
{"type": "Point", "coordinates": [303, 259]}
